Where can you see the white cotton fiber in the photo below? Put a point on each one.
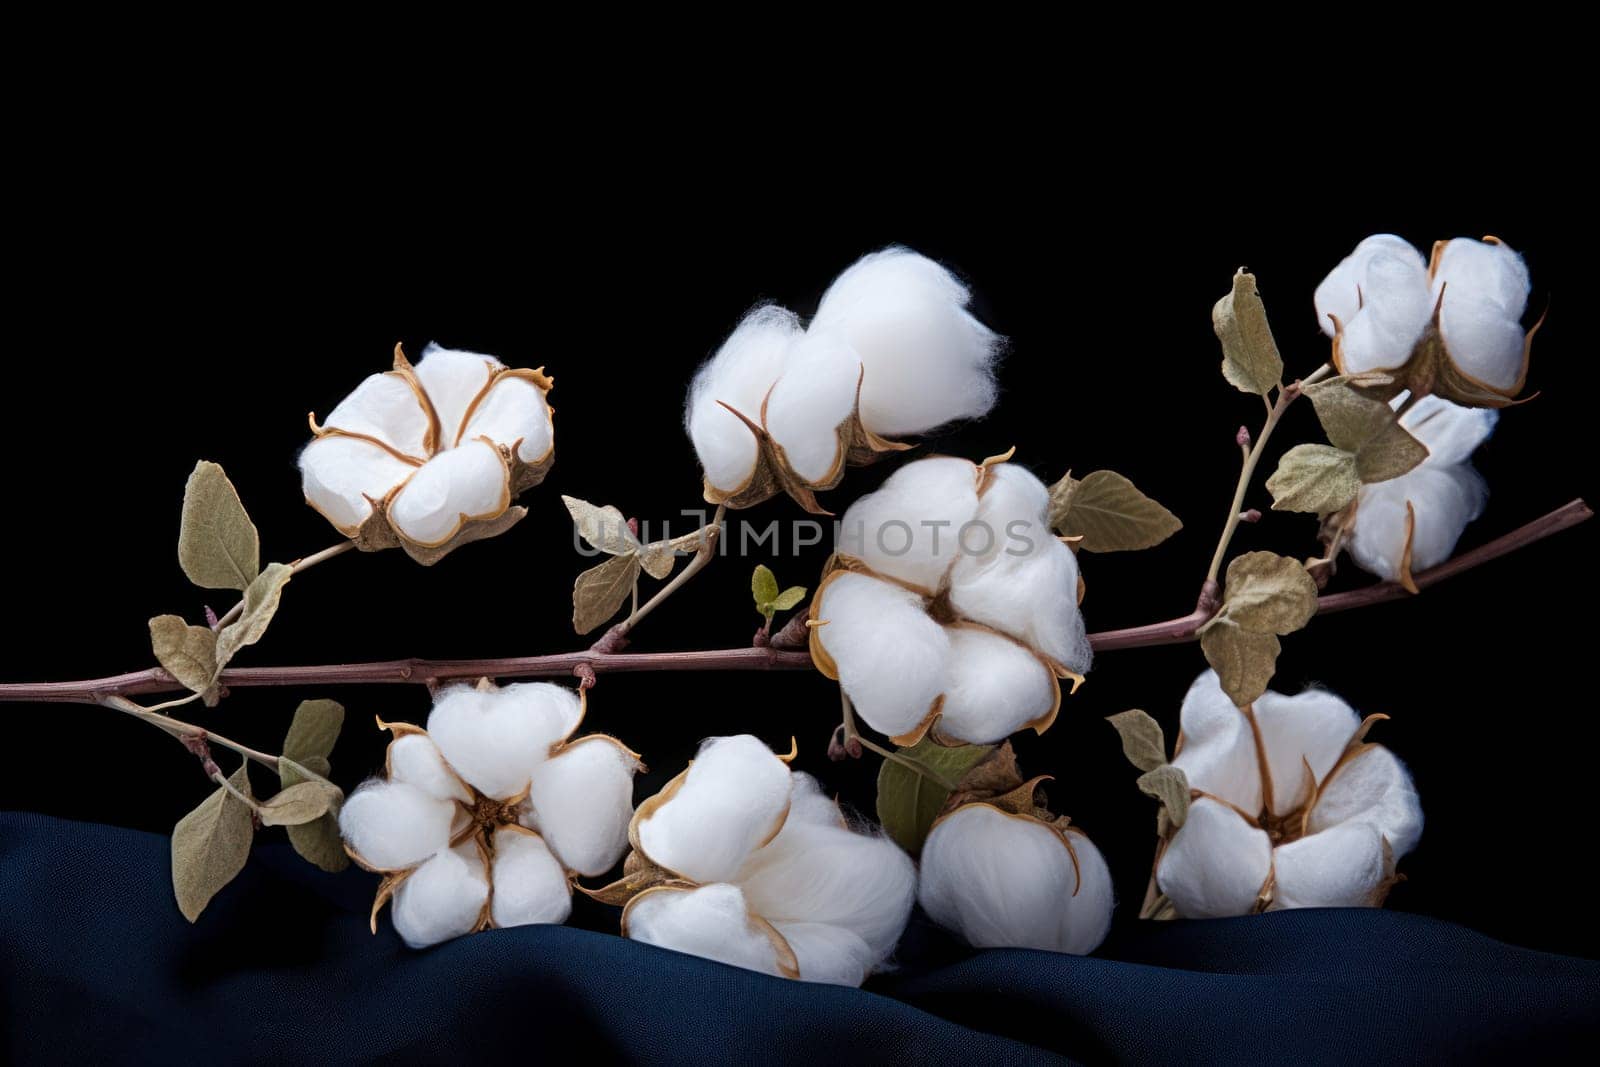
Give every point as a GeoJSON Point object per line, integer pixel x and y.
{"type": "Point", "coordinates": [739, 375]}
{"type": "Point", "coordinates": [893, 659]}
{"type": "Point", "coordinates": [1372, 787]}
{"type": "Point", "coordinates": [1343, 291]}
{"type": "Point", "coordinates": [415, 760]}
{"type": "Point", "coordinates": [816, 393]}
{"type": "Point", "coordinates": [529, 884]}
{"type": "Point", "coordinates": [997, 687]}
{"type": "Point", "coordinates": [928, 361]}
{"type": "Point", "coordinates": [582, 800]}
{"type": "Point", "coordinates": [710, 922]}
{"type": "Point", "coordinates": [393, 826]}
{"type": "Point", "coordinates": [1340, 867]}
{"type": "Point", "coordinates": [1218, 754]}
{"type": "Point", "coordinates": [496, 738]}
{"type": "Point", "coordinates": [339, 473]}
{"type": "Point", "coordinates": [384, 407]}
{"type": "Point", "coordinates": [733, 800]}
{"type": "Point", "coordinates": [453, 379]}
{"type": "Point", "coordinates": [1451, 432]}
{"type": "Point", "coordinates": [1444, 499]}
{"type": "Point", "coordinates": [1397, 308]}
{"type": "Point", "coordinates": [442, 899]}
{"type": "Point", "coordinates": [828, 954]}
{"type": "Point", "coordinates": [908, 528]}
{"type": "Point", "coordinates": [1313, 727]}
{"type": "Point", "coordinates": [816, 871]}
{"type": "Point", "coordinates": [513, 410]}
{"type": "Point", "coordinates": [1485, 291]}
{"type": "Point", "coordinates": [1002, 881]}
{"type": "Point", "coordinates": [464, 483]}
{"type": "Point", "coordinates": [1216, 864]}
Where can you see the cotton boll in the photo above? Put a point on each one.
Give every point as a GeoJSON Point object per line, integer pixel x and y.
{"type": "Point", "coordinates": [496, 738]}
{"type": "Point", "coordinates": [828, 954]}
{"type": "Point", "coordinates": [711, 922]}
{"type": "Point", "coordinates": [513, 410]}
{"type": "Point", "coordinates": [1338, 295]}
{"type": "Point", "coordinates": [818, 871]}
{"type": "Point", "coordinates": [415, 760]}
{"type": "Point", "coordinates": [582, 800]}
{"type": "Point", "coordinates": [442, 899]}
{"type": "Point", "coordinates": [1341, 867]}
{"type": "Point", "coordinates": [1216, 864]}
{"type": "Point", "coordinates": [908, 528]}
{"type": "Point", "coordinates": [339, 474]}
{"type": "Point", "coordinates": [392, 825]}
{"type": "Point", "coordinates": [996, 687]}
{"type": "Point", "coordinates": [1218, 754]}
{"type": "Point", "coordinates": [816, 393]}
{"type": "Point", "coordinates": [1397, 308]}
{"type": "Point", "coordinates": [1313, 727]}
{"type": "Point", "coordinates": [1451, 432]}
{"type": "Point", "coordinates": [464, 483]}
{"type": "Point", "coordinates": [927, 360]}
{"type": "Point", "coordinates": [732, 801]}
{"type": "Point", "coordinates": [530, 885]}
{"type": "Point", "coordinates": [453, 379]}
{"type": "Point", "coordinates": [892, 659]}
{"type": "Point", "coordinates": [1030, 593]}
{"type": "Point", "coordinates": [1444, 500]}
{"type": "Point", "coordinates": [387, 408]}
{"type": "Point", "coordinates": [1001, 880]}
{"type": "Point", "coordinates": [1484, 288]}
{"type": "Point", "coordinates": [1484, 271]}
{"type": "Point", "coordinates": [739, 375]}
{"type": "Point", "coordinates": [1372, 787]}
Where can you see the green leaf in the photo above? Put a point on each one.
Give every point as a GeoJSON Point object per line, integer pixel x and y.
{"type": "Point", "coordinates": [189, 653]}
{"type": "Point", "coordinates": [789, 598]}
{"type": "Point", "coordinates": [908, 803]}
{"type": "Point", "coordinates": [1244, 661]}
{"type": "Point", "coordinates": [1250, 359]}
{"type": "Point", "coordinates": [218, 547]}
{"type": "Point", "coordinates": [1142, 740]}
{"type": "Point", "coordinates": [1319, 479]}
{"type": "Point", "coordinates": [1269, 594]}
{"type": "Point", "coordinates": [260, 604]}
{"type": "Point", "coordinates": [1169, 785]}
{"type": "Point", "coordinates": [318, 841]}
{"type": "Point", "coordinates": [604, 528]}
{"type": "Point", "coordinates": [764, 585]}
{"type": "Point", "coordinates": [299, 803]}
{"type": "Point", "coordinates": [210, 846]}
{"type": "Point", "coordinates": [1109, 513]}
{"type": "Point", "coordinates": [314, 730]}
{"type": "Point", "coordinates": [1366, 427]}
{"type": "Point", "coordinates": [600, 591]}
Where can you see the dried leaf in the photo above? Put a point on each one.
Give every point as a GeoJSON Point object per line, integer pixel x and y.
{"type": "Point", "coordinates": [1169, 785]}
{"type": "Point", "coordinates": [1244, 661]}
{"type": "Point", "coordinates": [909, 802]}
{"type": "Point", "coordinates": [260, 604]}
{"type": "Point", "coordinates": [189, 653]}
{"type": "Point", "coordinates": [1142, 740]}
{"type": "Point", "coordinates": [789, 598]}
{"type": "Point", "coordinates": [314, 730]}
{"type": "Point", "coordinates": [1109, 513]}
{"type": "Point", "coordinates": [299, 804]}
{"type": "Point", "coordinates": [1368, 428]}
{"type": "Point", "coordinates": [600, 591]}
{"type": "Point", "coordinates": [210, 846]}
{"type": "Point", "coordinates": [604, 528]}
{"type": "Point", "coordinates": [1250, 359]}
{"type": "Point", "coordinates": [218, 547]}
{"type": "Point", "coordinates": [1319, 479]}
{"type": "Point", "coordinates": [1269, 594]}
{"type": "Point", "coordinates": [318, 842]}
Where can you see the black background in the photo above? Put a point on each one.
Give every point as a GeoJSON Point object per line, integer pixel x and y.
{"type": "Point", "coordinates": [172, 312]}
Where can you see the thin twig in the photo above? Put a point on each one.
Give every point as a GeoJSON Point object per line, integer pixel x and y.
{"type": "Point", "coordinates": [852, 733]}
{"type": "Point", "coordinates": [301, 564]}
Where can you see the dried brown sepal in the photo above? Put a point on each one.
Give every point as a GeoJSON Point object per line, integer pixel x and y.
{"type": "Point", "coordinates": [639, 873]}
{"type": "Point", "coordinates": [1391, 876]}
{"type": "Point", "coordinates": [1406, 580]}
{"type": "Point", "coordinates": [386, 888]}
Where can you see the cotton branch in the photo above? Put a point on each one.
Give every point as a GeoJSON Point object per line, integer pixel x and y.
{"type": "Point", "coordinates": [768, 658]}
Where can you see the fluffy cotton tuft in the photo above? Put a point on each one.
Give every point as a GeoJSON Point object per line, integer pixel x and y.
{"type": "Point", "coordinates": [1374, 788]}
{"type": "Point", "coordinates": [996, 687]}
{"type": "Point", "coordinates": [581, 801]}
{"type": "Point", "coordinates": [731, 801]}
{"type": "Point", "coordinates": [384, 407]}
{"type": "Point", "coordinates": [415, 760]}
{"type": "Point", "coordinates": [1339, 868]}
{"type": "Point", "coordinates": [908, 529]}
{"type": "Point", "coordinates": [1029, 592]}
{"type": "Point", "coordinates": [1216, 865]}
{"type": "Point", "coordinates": [392, 825]}
{"type": "Point", "coordinates": [1303, 737]}
{"type": "Point", "coordinates": [740, 375]}
{"type": "Point", "coordinates": [1002, 880]}
{"type": "Point", "coordinates": [711, 922]}
{"type": "Point", "coordinates": [530, 885]}
{"type": "Point", "coordinates": [1218, 754]}
{"type": "Point", "coordinates": [441, 899]}
{"type": "Point", "coordinates": [341, 476]}
{"type": "Point", "coordinates": [816, 393]}
{"type": "Point", "coordinates": [495, 738]}
{"type": "Point", "coordinates": [1380, 296]}
{"type": "Point", "coordinates": [891, 657]}
{"type": "Point", "coordinates": [1483, 290]}
{"type": "Point", "coordinates": [451, 489]}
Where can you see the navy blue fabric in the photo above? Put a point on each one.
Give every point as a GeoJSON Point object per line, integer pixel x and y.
{"type": "Point", "coordinates": [99, 966]}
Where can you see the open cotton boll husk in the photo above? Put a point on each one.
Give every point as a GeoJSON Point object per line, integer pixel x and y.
{"type": "Point", "coordinates": [891, 658]}
{"type": "Point", "coordinates": [452, 488]}
{"type": "Point", "coordinates": [342, 476]}
{"type": "Point", "coordinates": [1311, 731]}
{"type": "Point", "coordinates": [530, 885]}
{"type": "Point", "coordinates": [908, 528]}
{"type": "Point", "coordinates": [1372, 787]}
{"type": "Point", "coordinates": [1218, 753]}
{"type": "Point", "coordinates": [711, 922]}
{"type": "Point", "coordinates": [441, 899]}
{"type": "Point", "coordinates": [732, 800]}
{"type": "Point", "coordinates": [387, 408]}
{"type": "Point", "coordinates": [392, 825]}
{"type": "Point", "coordinates": [1443, 499]}
{"type": "Point", "coordinates": [453, 379]}
{"type": "Point", "coordinates": [1216, 864]}
{"type": "Point", "coordinates": [739, 375]}
{"type": "Point", "coordinates": [1341, 867]}
{"type": "Point", "coordinates": [581, 800]}
{"type": "Point", "coordinates": [1397, 308]}
{"type": "Point", "coordinates": [997, 687]}
{"type": "Point", "coordinates": [495, 738]}
{"type": "Point", "coordinates": [1483, 288]}
{"type": "Point", "coordinates": [415, 760]}
{"type": "Point", "coordinates": [806, 407]}
{"type": "Point", "coordinates": [1003, 880]}
{"type": "Point", "coordinates": [928, 361]}
{"type": "Point", "coordinates": [1341, 294]}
